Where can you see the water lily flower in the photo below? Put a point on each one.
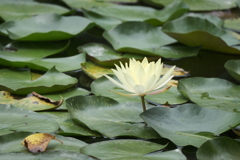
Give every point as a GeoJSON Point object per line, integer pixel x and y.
{"type": "Point", "coordinates": [141, 78]}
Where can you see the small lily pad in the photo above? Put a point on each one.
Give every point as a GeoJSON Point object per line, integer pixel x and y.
{"type": "Point", "coordinates": [181, 124]}
{"type": "Point", "coordinates": [33, 101]}
{"type": "Point", "coordinates": [219, 148]}
{"type": "Point", "coordinates": [17, 9]}
{"type": "Point", "coordinates": [24, 120]}
{"type": "Point", "coordinates": [68, 126]}
{"type": "Point", "coordinates": [109, 117]}
{"type": "Point", "coordinates": [130, 149]}
{"type": "Point", "coordinates": [47, 27]}
{"type": "Point", "coordinates": [211, 93]}
{"type": "Point", "coordinates": [137, 37]}
{"type": "Point", "coordinates": [51, 81]}
{"type": "Point", "coordinates": [95, 71]}
{"type": "Point", "coordinates": [233, 68]}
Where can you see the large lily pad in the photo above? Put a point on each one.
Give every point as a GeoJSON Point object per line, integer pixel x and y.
{"type": "Point", "coordinates": [200, 5]}
{"type": "Point", "coordinates": [11, 143]}
{"type": "Point", "coordinates": [102, 86]}
{"type": "Point", "coordinates": [17, 9]}
{"type": "Point", "coordinates": [48, 155]}
{"type": "Point", "coordinates": [196, 31]}
{"type": "Point", "coordinates": [233, 68]}
{"type": "Point", "coordinates": [47, 27]}
{"type": "Point", "coordinates": [109, 117]}
{"type": "Point", "coordinates": [211, 93]}
{"type": "Point", "coordinates": [219, 148]}
{"type": "Point", "coordinates": [189, 124]}
{"type": "Point", "coordinates": [106, 17]}
{"type": "Point", "coordinates": [130, 149]}
{"type": "Point", "coordinates": [68, 126]}
{"type": "Point", "coordinates": [24, 120]}
{"type": "Point", "coordinates": [20, 82]}
{"type": "Point", "coordinates": [138, 37]}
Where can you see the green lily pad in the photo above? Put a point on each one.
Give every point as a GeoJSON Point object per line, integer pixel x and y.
{"type": "Point", "coordinates": [233, 68]}
{"type": "Point", "coordinates": [33, 101]}
{"type": "Point", "coordinates": [24, 120]}
{"type": "Point", "coordinates": [67, 94]}
{"type": "Point", "coordinates": [219, 148]}
{"type": "Point", "coordinates": [189, 124]}
{"type": "Point", "coordinates": [200, 5]}
{"type": "Point", "coordinates": [232, 24]}
{"type": "Point", "coordinates": [16, 9]}
{"type": "Point", "coordinates": [47, 27]}
{"type": "Point", "coordinates": [196, 31]}
{"type": "Point", "coordinates": [138, 37]}
{"type": "Point", "coordinates": [31, 50]}
{"type": "Point", "coordinates": [107, 17]}
{"type": "Point", "coordinates": [171, 96]}
{"type": "Point", "coordinates": [30, 54]}
{"type": "Point", "coordinates": [109, 117]}
{"type": "Point", "coordinates": [211, 93]}
{"type": "Point", "coordinates": [86, 3]}
{"type": "Point", "coordinates": [95, 71]}
{"type": "Point", "coordinates": [130, 149]}
{"type": "Point", "coordinates": [51, 81]}
{"type": "Point", "coordinates": [104, 55]}
{"type": "Point", "coordinates": [11, 143]}
{"type": "Point", "coordinates": [61, 64]}
{"type": "Point", "coordinates": [68, 126]}
{"type": "Point", "coordinates": [49, 155]}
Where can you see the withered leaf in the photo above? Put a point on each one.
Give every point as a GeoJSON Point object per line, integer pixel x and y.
{"type": "Point", "coordinates": [38, 142]}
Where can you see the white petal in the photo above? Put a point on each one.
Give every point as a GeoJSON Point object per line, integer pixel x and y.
{"type": "Point", "coordinates": [117, 83]}
{"type": "Point", "coordinates": [159, 91]}
{"type": "Point", "coordinates": [139, 89]}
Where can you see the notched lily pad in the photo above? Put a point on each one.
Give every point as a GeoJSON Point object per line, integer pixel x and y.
{"type": "Point", "coordinates": [130, 149]}
{"type": "Point", "coordinates": [33, 101]}
{"type": "Point", "coordinates": [137, 37]}
{"type": "Point", "coordinates": [109, 117]}
{"type": "Point", "coordinates": [47, 27]}
{"type": "Point", "coordinates": [68, 126]}
{"type": "Point", "coordinates": [211, 93]}
{"type": "Point", "coordinates": [20, 82]}
{"type": "Point", "coordinates": [181, 124]}
{"type": "Point", "coordinates": [199, 31]}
